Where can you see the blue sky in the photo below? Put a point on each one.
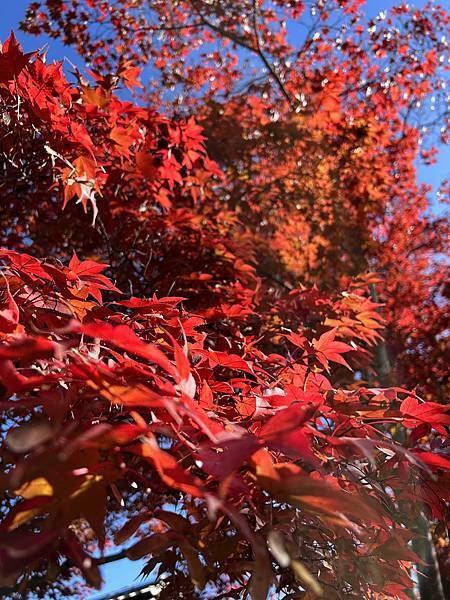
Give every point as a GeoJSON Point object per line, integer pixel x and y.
{"type": "Point", "coordinates": [120, 574]}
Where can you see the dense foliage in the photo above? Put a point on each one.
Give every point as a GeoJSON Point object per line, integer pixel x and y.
{"type": "Point", "coordinates": [192, 360]}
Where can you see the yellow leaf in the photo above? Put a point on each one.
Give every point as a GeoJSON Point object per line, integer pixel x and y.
{"type": "Point", "coordinates": [23, 517]}
{"type": "Point", "coordinates": [88, 482]}
{"type": "Point", "coordinates": [36, 487]}
{"type": "Point", "coordinates": [306, 577]}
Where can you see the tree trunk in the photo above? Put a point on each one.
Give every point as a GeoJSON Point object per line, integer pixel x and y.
{"type": "Point", "coordinates": [429, 576]}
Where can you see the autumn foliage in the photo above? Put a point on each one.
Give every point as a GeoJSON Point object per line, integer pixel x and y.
{"type": "Point", "coordinates": [192, 316]}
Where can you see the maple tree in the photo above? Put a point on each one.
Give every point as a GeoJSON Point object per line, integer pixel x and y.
{"type": "Point", "coordinates": [190, 353]}
{"type": "Point", "coordinates": [300, 99]}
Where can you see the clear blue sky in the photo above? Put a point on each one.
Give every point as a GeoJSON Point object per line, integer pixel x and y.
{"type": "Point", "coordinates": [122, 573]}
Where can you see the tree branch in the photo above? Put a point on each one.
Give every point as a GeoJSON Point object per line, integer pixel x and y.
{"type": "Point", "coordinates": [258, 50]}
{"type": "Point", "coordinates": [266, 62]}
{"type": "Point", "coordinates": [103, 560]}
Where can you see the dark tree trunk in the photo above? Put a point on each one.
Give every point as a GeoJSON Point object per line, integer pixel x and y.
{"type": "Point", "coordinates": [429, 576]}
